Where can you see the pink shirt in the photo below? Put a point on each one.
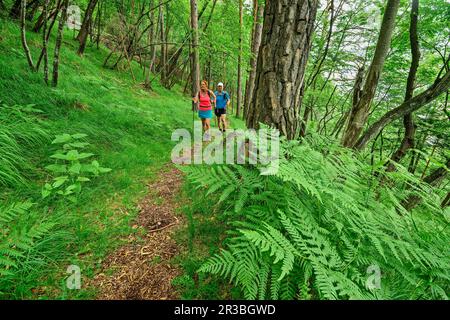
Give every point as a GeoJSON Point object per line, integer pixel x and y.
{"type": "Point", "coordinates": [205, 102]}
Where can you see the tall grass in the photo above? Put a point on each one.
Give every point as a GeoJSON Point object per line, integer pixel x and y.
{"type": "Point", "coordinates": [20, 131]}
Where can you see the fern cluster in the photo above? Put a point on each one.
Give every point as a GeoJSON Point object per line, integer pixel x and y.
{"type": "Point", "coordinates": [318, 228]}
{"type": "Point", "coordinates": [21, 230]}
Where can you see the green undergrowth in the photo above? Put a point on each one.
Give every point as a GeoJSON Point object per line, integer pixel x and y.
{"type": "Point", "coordinates": [128, 130]}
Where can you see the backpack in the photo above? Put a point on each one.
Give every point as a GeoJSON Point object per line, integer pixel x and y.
{"type": "Point", "coordinates": [226, 96]}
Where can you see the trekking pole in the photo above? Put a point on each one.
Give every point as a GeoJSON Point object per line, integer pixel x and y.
{"type": "Point", "coordinates": [194, 109]}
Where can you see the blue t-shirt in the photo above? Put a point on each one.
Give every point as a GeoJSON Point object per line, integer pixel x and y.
{"type": "Point", "coordinates": [222, 99]}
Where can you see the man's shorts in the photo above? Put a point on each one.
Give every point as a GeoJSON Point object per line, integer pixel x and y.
{"type": "Point", "coordinates": [219, 112]}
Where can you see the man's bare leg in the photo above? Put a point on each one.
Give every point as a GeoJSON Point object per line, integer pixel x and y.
{"type": "Point", "coordinates": [223, 119]}
{"type": "Point", "coordinates": [218, 121]}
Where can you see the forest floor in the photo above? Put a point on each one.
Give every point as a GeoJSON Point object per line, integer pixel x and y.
{"type": "Point", "coordinates": [129, 229]}
{"type": "Point", "coordinates": [142, 269]}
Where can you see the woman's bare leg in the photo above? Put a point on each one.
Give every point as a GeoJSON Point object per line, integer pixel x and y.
{"type": "Point", "coordinates": [204, 125]}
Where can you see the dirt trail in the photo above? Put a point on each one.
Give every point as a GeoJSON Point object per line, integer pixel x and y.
{"type": "Point", "coordinates": [141, 268]}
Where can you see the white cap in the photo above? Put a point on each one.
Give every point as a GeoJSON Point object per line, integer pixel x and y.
{"type": "Point", "coordinates": [220, 84]}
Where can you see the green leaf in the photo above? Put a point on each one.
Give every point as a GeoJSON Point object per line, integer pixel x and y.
{"type": "Point", "coordinates": [79, 136]}
{"type": "Point", "coordinates": [95, 164]}
{"type": "Point", "coordinates": [72, 199]}
{"type": "Point", "coordinates": [57, 168]}
{"type": "Point", "coordinates": [64, 138]}
{"type": "Point", "coordinates": [73, 155]}
{"type": "Point", "coordinates": [60, 181]}
{"type": "Point", "coordinates": [59, 156]}
{"type": "Point", "coordinates": [46, 193]}
{"type": "Point", "coordinates": [75, 168]}
{"type": "Point", "coordinates": [83, 179]}
{"type": "Point", "coordinates": [89, 168]}
{"type": "Point", "coordinates": [85, 155]}
{"type": "Point", "coordinates": [79, 144]}
{"type": "Point", "coordinates": [104, 170]}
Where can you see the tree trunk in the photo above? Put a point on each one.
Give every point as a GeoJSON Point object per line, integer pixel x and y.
{"type": "Point", "coordinates": [85, 26]}
{"type": "Point", "coordinates": [446, 201]}
{"type": "Point", "coordinates": [360, 112]}
{"type": "Point", "coordinates": [151, 40]}
{"type": "Point", "coordinates": [40, 21]}
{"type": "Point", "coordinates": [24, 35]}
{"type": "Point", "coordinates": [53, 16]}
{"type": "Point", "coordinates": [433, 179]}
{"type": "Point", "coordinates": [408, 140]}
{"type": "Point", "coordinates": [99, 23]}
{"type": "Point", "coordinates": [45, 40]}
{"type": "Point", "coordinates": [256, 43]}
{"type": "Point", "coordinates": [58, 43]}
{"type": "Point", "coordinates": [283, 55]}
{"type": "Point", "coordinates": [239, 71]}
{"type": "Point", "coordinates": [162, 33]}
{"type": "Point", "coordinates": [195, 58]}
{"type": "Point", "coordinates": [439, 87]}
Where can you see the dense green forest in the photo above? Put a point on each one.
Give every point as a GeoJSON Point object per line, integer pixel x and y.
{"type": "Point", "coordinates": [93, 205]}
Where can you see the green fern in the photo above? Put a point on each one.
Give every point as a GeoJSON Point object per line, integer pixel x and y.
{"type": "Point", "coordinates": [313, 229]}
{"type": "Point", "coordinates": [18, 236]}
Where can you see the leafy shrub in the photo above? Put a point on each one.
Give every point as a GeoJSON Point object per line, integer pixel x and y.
{"type": "Point", "coordinates": [71, 168]}
{"type": "Point", "coordinates": [316, 228]}
{"type": "Point", "coordinates": [20, 130]}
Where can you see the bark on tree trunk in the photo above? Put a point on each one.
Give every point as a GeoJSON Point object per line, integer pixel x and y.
{"type": "Point", "coordinates": [433, 179]}
{"type": "Point", "coordinates": [439, 87]}
{"type": "Point", "coordinates": [283, 55]}
{"type": "Point", "coordinates": [58, 43]}
{"type": "Point", "coordinates": [408, 140]}
{"type": "Point", "coordinates": [85, 26]}
{"type": "Point", "coordinates": [40, 21]}
{"type": "Point", "coordinates": [45, 40]}
{"type": "Point", "coordinates": [360, 112]}
{"type": "Point", "coordinates": [195, 58]}
{"type": "Point", "coordinates": [151, 39]}
{"type": "Point", "coordinates": [24, 35]}
{"type": "Point", "coordinates": [162, 33]}
{"type": "Point", "coordinates": [446, 201]}
{"type": "Point", "coordinates": [256, 43]}
{"type": "Point", "coordinates": [239, 75]}
{"type": "Point", "coordinates": [99, 23]}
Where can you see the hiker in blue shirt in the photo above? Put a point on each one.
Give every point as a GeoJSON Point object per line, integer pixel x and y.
{"type": "Point", "coordinates": [222, 102]}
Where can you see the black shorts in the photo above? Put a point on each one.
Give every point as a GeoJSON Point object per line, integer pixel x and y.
{"type": "Point", "coordinates": [219, 112]}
